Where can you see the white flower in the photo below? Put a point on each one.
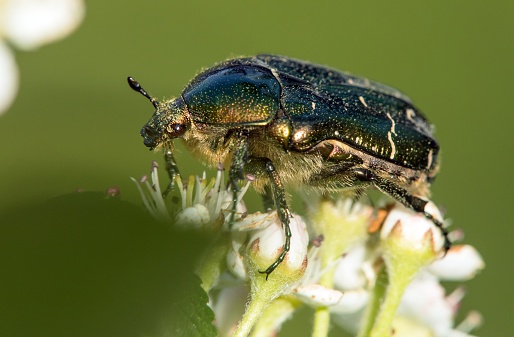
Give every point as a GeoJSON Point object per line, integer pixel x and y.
{"type": "Point", "coordinates": [424, 309]}
{"type": "Point", "coordinates": [269, 242]}
{"type": "Point", "coordinates": [425, 302]}
{"type": "Point", "coordinates": [29, 24]}
{"type": "Point", "coordinates": [414, 227]}
{"type": "Point", "coordinates": [203, 203]}
{"type": "Point", "coordinates": [229, 307]}
{"type": "Point", "coordinates": [461, 263]}
{"type": "Point", "coordinates": [266, 241]}
{"type": "Point", "coordinates": [350, 270]}
{"type": "Point", "coordinates": [386, 262]}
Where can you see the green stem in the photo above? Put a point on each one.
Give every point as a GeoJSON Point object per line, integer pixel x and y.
{"type": "Point", "coordinates": [321, 322]}
{"type": "Point", "coordinates": [251, 315]}
{"type": "Point", "coordinates": [340, 231]}
{"type": "Point", "coordinates": [403, 259]}
{"type": "Point", "coordinates": [377, 296]}
{"type": "Point", "coordinates": [398, 281]}
{"type": "Point", "coordinates": [274, 315]}
{"type": "Point", "coordinates": [322, 314]}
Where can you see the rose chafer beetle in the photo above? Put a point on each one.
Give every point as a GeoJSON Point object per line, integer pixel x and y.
{"type": "Point", "coordinates": [289, 122]}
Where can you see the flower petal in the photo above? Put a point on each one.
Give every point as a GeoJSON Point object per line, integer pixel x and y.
{"type": "Point", "coordinates": [9, 72]}
{"type": "Point", "coordinates": [229, 307]}
{"type": "Point", "coordinates": [414, 227]}
{"type": "Point", "coordinates": [461, 263]}
{"type": "Point", "coordinates": [349, 311]}
{"type": "Point", "coordinates": [348, 274]}
{"type": "Point", "coordinates": [424, 300]}
{"type": "Point", "coordinates": [316, 295]}
{"type": "Point", "coordinates": [352, 301]}
{"type": "Point", "coordinates": [32, 23]}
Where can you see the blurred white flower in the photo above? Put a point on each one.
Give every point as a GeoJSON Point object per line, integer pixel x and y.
{"type": "Point", "coordinates": [27, 25]}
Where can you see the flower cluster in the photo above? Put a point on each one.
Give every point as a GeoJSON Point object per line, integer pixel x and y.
{"type": "Point", "coordinates": [27, 25]}
{"type": "Point", "coordinates": [370, 271]}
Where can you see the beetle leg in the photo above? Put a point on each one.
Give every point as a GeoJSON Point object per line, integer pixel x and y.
{"type": "Point", "coordinates": [401, 195]}
{"type": "Point", "coordinates": [274, 196]}
{"type": "Point", "coordinates": [267, 199]}
{"type": "Point", "coordinates": [172, 168]}
{"type": "Point", "coordinates": [240, 158]}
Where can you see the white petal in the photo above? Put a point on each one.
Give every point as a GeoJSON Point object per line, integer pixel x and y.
{"type": "Point", "coordinates": [193, 217]}
{"type": "Point", "coordinates": [349, 274]}
{"type": "Point", "coordinates": [317, 295]}
{"type": "Point", "coordinates": [229, 307]}
{"type": "Point", "coordinates": [414, 226]}
{"type": "Point", "coordinates": [349, 311]}
{"type": "Point", "coordinates": [255, 221]}
{"type": "Point", "coordinates": [235, 264]}
{"type": "Point", "coordinates": [272, 238]}
{"type": "Point", "coordinates": [31, 23]}
{"type": "Point", "coordinates": [460, 263]}
{"type": "Point", "coordinates": [9, 80]}
{"type": "Point", "coordinates": [424, 300]}
{"type": "Point", "coordinates": [351, 302]}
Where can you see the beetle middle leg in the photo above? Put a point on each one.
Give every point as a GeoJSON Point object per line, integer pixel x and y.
{"type": "Point", "coordinates": [260, 167]}
{"type": "Point", "coordinates": [274, 193]}
{"type": "Point", "coordinates": [413, 202]}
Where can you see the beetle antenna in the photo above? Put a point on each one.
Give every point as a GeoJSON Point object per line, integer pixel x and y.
{"type": "Point", "coordinates": [137, 87]}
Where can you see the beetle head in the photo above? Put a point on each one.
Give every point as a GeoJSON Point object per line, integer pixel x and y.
{"type": "Point", "coordinates": [169, 121]}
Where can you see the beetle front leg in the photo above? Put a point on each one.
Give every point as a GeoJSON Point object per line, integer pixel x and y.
{"type": "Point", "coordinates": [275, 190]}
{"type": "Point", "coordinates": [415, 203]}
{"type": "Point", "coordinates": [239, 160]}
{"type": "Point", "coordinates": [172, 169]}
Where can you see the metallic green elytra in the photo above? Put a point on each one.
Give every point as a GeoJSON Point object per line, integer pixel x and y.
{"type": "Point", "coordinates": [293, 123]}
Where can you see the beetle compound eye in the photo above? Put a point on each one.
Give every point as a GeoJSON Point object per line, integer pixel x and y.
{"type": "Point", "coordinates": [176, 130]}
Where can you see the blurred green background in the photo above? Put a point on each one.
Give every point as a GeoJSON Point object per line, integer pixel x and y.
{"type": "Point", "coordinates": [75, 123]}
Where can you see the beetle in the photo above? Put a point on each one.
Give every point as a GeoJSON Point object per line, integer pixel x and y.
{"type": "Point", "coordinates": [291, 122]}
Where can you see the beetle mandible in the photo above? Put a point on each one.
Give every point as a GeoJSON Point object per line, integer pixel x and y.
{"type": "Point", "coordinates": [290, 122]}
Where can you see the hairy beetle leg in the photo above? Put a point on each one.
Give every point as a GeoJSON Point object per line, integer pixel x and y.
{"type": "Point", "coordinates": [239, 160]}
{"type": "Point", "coordinates": [172, 169]}
{"type": "Point", "coordinates": [415, 203]}
{"type": "Point", "coordinates": [275, 191]}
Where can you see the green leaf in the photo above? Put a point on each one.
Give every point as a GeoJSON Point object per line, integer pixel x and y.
{"type": "Point", "coordinates": [86, 265]}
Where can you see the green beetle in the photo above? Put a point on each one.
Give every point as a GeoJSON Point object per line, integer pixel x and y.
{"type": "Point", "coordinates": [290, 122]}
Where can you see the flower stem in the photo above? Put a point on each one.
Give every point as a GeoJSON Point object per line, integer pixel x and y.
{"type": "Point", "coordinates": [251, 315]}
{"type": "Point", "coordinates": [403, 259]}
{"type": "Point", "coordinates": [375, 300]}
{"type": "Point", "coordinates": [322, 314]}
{"type": "Point", "coordinates": [275, 314]}
{"type": "Point", "coordinates": [340, 230]}
{"type": "Point", "coordinates": [321, 322]}
{"type": "Point", "coordinates": [395, 289]}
